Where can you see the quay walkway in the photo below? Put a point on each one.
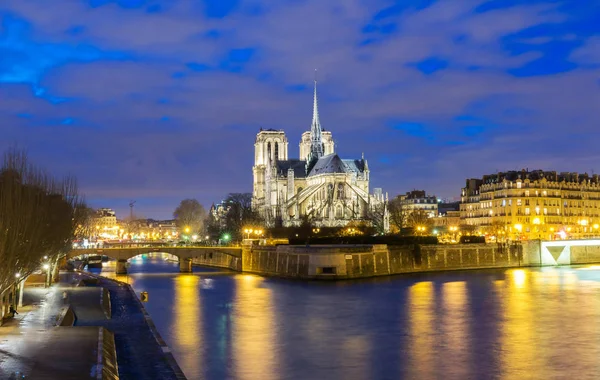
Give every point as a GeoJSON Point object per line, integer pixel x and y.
{"type": "Point", "coordinates": [31, 344]}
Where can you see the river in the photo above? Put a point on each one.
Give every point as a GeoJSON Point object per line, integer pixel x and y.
{"type": "Point", "coordinates": [490, 324]}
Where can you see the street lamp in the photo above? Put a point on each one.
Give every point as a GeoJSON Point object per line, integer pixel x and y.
{"type": "Point", "coordinates": [47, 269]}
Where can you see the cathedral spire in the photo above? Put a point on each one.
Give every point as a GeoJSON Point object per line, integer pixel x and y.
{"type": "Point", "coordinates": [316, 143]}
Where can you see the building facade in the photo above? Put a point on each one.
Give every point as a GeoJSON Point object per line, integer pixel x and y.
{"type": "Point", "coordinates": [318, 186]}
{"type": "Point", "coordinates": [419, 200]}
{"type": "Point", "coordinates": [537, 204]}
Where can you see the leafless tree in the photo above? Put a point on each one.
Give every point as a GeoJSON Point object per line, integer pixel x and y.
{"type": "Point", "coordinates": [398, 214]}
{"type": "Point", "coordinates": [419, 217]}
{"type": "Point", "coordinates": [376, 217]}
{"type": "Point", "coordinates": [37, 217]}
{"type": "Point", "coordinates": [85, 226]}
{"type": "Point", "coordinates": [189, 215]}
{"type": "Point", "coordinates": [240, 214]}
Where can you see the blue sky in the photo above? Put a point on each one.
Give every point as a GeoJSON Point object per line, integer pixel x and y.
{"type": "Point", "coordinates": [161, 100]}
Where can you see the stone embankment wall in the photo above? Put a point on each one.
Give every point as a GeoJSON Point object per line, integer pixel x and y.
{"type": "Point", "coordinates": [356, 261]}
{"type": "Point", "coordinates": [218, 259]}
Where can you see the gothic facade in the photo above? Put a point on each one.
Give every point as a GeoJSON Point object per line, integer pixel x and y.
{"type": "Point", "coordinates": [319, 186]}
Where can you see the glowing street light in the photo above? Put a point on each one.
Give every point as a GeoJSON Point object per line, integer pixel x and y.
{"type": "Point", "coordinates": [46, 266]}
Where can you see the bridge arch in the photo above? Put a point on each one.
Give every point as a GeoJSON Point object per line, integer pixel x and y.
{"type": "Point", "coordinates": [220, 257]}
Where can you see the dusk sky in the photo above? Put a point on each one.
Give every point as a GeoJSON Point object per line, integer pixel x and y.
{"type": "Point", "coordinates": [157, 101]}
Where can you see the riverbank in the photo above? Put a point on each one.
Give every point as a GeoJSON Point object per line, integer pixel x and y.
{"type": "Point", "coordinates": [141, 352]}
{"type": "Point", "coordinates": [100, 331]}
{"type": "Point", "coordinates": [32, 345]}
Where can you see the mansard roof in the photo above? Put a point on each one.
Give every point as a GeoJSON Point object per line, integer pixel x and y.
{"type": "Point", "coordinates": [299, 167]}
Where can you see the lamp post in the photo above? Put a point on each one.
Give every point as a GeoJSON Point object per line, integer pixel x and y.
{"type": "Point", "coordinates": [47, 269]}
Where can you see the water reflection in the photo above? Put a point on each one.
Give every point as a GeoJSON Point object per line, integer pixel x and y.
{"type": "Point", "coordinates": [422, 330]}
{"type": "Point", "coordinates": [255, 353]}
{"type": "Point", "coordinates": [187, 310]}
{"type": "Point", "coordinates": [509, 324]}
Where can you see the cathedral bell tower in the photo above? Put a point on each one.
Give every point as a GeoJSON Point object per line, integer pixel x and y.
{"type": "Point", "coordinates": [270, 146]}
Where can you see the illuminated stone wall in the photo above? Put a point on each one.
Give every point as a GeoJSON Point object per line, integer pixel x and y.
{"type": "Point", "coordinates": [341, 261]}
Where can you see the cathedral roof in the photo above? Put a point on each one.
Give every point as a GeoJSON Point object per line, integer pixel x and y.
{"type": "Point", "coordinates": [332, 163]}
{"type": "Point", "coordinates": [299, 167]}
{"type": "Point", "coordinates": [357, 166]}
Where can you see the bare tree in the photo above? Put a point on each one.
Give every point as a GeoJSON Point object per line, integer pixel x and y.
{"type": "Point", "coordinates": [84, 216]}
{"type": "Point", "coordinates": [240, 214]}
{"type": "Point", "coordinates": [189, 216]}
{"type": "Point", "coordinates": [376, 217]}
{"type": "Point", "coordinates": [419, 218]}
{"type": "Point", "coordinates": [37, 217]}
{"type": "Point", "coordinates": [398, 214]}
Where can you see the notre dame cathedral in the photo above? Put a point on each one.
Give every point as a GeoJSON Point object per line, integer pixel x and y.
{"type": "Point", "coordinates": [318, 186]}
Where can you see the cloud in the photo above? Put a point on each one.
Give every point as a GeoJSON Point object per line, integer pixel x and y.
{"type": "Point", "coordinates": [157, 101]}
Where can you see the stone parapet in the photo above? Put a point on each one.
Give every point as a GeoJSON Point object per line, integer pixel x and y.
{"type": "Point", "coordinates": [358, 261]}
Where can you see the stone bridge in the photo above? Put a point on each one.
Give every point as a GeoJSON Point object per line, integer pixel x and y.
{"type": "Point", "coordinates": [221, 257]}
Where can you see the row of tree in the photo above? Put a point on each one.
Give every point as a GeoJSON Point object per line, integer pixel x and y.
{"type": "Point", "coordinates": [39, 215]}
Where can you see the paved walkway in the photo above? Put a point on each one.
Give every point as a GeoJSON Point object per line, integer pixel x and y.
{"type": "Point", "coordinates": [29, 343]}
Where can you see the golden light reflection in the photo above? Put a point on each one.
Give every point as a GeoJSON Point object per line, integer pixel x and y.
{"type": "Point", "coordinates": [519, 277]}
{"type": "Point", "coordinates": [422, 331]}
{"type": "Point", "coordinates": [254, 340]}
{"type": "Point", "coordinates": [518, 340]}
{"type": "Point", "coordinates": [455, 327]}
{"type": "Point", "coordinates": [188, 326]}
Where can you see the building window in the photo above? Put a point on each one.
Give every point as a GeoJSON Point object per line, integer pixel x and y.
{"type": "Point", "coordinates": [340, 191]}
{"type": "Point", "coordinates": [526, 210]}
{"type": "Point", "coordinates": [339, 212]}
{"type": "Point", "coordinates": [276, 151]}
{"type": "Point", "coordinates": [518, 185]}
{"type": "Point", "coordinates": [269, 150]}
{"type": "Point", "coordinates": [527, 193]}
{"type": "Point", "coordinates": [518, 202]}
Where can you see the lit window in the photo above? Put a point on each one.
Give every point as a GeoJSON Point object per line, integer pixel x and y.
{"type": "Point", "coordinates": [518, 185]}
{"type": "Point", "coordinates": [526, 210]}
{"type": "Point", "coordinates": [518, 202]}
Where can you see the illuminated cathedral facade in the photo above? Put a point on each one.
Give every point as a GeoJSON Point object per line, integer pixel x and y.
{"type": "Point", "coordinates": [319, 186]}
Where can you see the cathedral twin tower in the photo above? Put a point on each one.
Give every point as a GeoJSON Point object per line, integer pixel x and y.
{"type": "Point", "coordinates": [319, 186]}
